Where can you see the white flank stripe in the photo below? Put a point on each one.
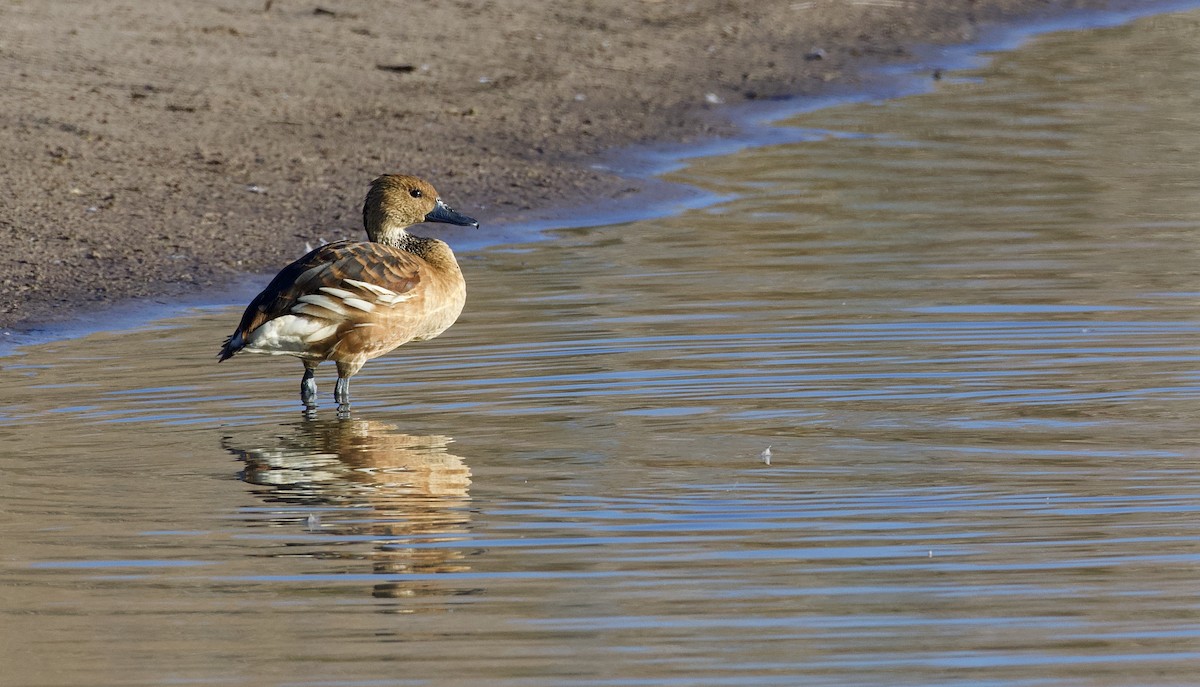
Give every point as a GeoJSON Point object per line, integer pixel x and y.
{"type": "Point", "coordinates": [368, 286]}
{"type": "Point", "coordinates": [395, 298]}
{"type": "Point", "coordinates": [336, 293]}
{"type": "Point", "coordinates": [310, 310]}
{"type": "Point", "coordinates": [359, 303]}
{"type": "Point", "coordinates": [323, 301]}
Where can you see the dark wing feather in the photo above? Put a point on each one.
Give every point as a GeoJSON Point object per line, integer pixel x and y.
{"type": "Point", "coordinates": [330, 265]}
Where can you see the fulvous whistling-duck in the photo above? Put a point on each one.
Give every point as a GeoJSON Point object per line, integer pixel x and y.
{"type": "Point", "coordinates": [352, 301]}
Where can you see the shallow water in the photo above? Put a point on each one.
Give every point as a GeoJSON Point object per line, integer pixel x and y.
{"type": "Point", "coordinates": [963, 322]}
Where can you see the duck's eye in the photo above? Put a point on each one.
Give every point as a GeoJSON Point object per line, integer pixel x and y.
{"type": "Point", "coordinates": [415, 193]}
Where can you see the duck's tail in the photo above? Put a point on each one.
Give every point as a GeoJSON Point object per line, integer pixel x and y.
{"type": "Point", "coordinates": [233, 343]}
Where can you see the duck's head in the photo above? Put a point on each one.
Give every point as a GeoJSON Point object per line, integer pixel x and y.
{"type": "Point", "coordinates": [398, 201]}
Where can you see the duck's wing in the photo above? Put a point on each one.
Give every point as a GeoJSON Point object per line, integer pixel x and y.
{"type": "Point", "coordinates": [332, 288]}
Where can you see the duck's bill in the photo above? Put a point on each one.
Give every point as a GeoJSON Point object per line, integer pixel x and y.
{"type": "Point", "coordinates": [444, 213]}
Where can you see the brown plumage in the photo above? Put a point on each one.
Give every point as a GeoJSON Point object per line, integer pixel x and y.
{"type": "Point", "coordinates": [352, 301]}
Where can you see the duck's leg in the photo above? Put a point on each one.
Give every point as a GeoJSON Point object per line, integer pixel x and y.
{"type": "Point", "coordinates": [341, 391]}
{"type": "Point", "coordinates": [308, 386]}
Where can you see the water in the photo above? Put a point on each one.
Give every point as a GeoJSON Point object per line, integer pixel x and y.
{"type": "Point", "coordinates": [964, 322]}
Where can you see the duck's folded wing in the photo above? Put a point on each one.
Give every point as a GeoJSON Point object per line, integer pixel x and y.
{"type": "Point", "coordinates": [338, 284]}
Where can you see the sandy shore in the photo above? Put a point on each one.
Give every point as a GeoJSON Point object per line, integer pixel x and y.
{"type": "Point", "coordinates": [156, 149]}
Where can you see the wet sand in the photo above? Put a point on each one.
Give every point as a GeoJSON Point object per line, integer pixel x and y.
{"type": "Point", "coordinates": [160, 150]}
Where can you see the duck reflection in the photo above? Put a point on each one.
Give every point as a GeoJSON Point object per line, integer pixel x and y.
{"type": "Point", "coordinates": [366, 485]}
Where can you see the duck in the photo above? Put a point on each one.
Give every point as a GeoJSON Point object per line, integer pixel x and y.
{"type": "Point", "coordinates": [353, 301]}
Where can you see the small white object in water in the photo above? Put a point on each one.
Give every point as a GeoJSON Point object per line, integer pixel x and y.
{"type": "Point", "coordinates": [713, 99]}
{"type": "Point", "coordinates": [931, 553]}
{"type": "Point", "coordinates": [314, 522]}
{"type": "Point", "coordinates": [766, 455]}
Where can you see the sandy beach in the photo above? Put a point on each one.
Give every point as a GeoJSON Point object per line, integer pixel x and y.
{"type": "Point", "coordinates": [156, 150]}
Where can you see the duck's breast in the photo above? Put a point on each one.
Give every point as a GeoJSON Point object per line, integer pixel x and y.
{"type": "Point", "coordinates": [423, 312]}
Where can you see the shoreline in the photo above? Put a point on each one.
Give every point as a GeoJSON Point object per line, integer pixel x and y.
{"type": "Point", "coordinates": [252, 223]}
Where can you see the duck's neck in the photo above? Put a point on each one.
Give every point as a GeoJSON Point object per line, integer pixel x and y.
{"type": "Point", "coordinates": [432, 251]}
{"type": "Point", "coordinates": [398, 238]}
